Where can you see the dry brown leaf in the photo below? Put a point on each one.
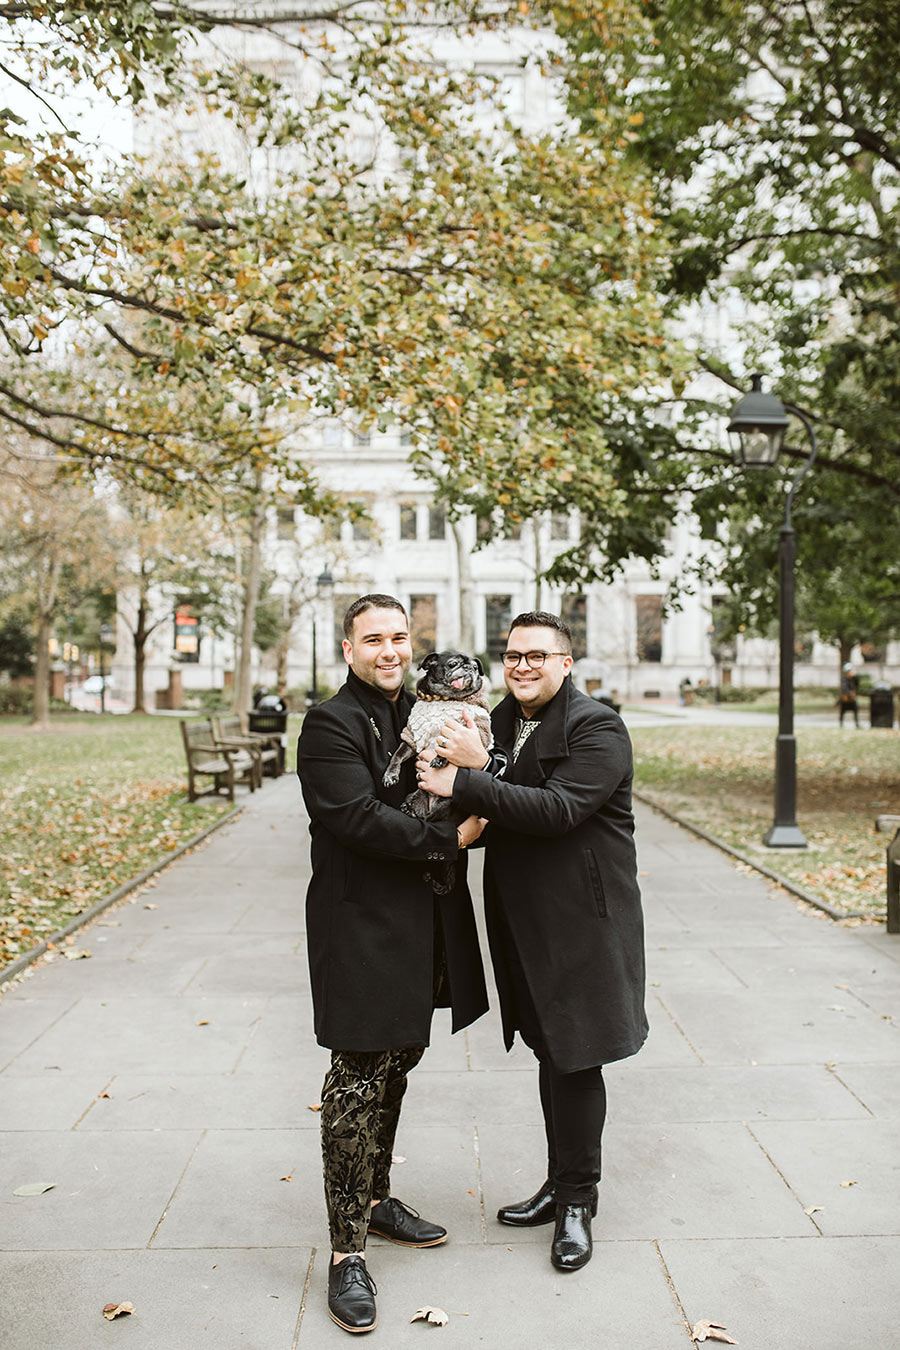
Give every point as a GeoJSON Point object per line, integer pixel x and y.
{"type": "Point", "coordinates": [112, 1310]}
{"type": "Point", "coordinates": [711, 1331]}
{"type": "Point", "coordinates": [314, 1106]}
{"type": "Point", "coordinates": [470, 1191]}
{"type": "Point", "coordinates": [288, 1177]}
{"type": "Point", "coordinates": [436, 1316]}
{"type": "Point", "coordinates": [813, 1209]}
{"type": "Point", "coordinates": [77, 954]}
{"type": "Point", "coordinates": [151, 907]}
{"type": "Point", "coordinates": [847, 1184]}
{"type": "Point", "coordinates": [104, 1093]}
{"type": "Point", "coordinates": [204, 1022]}
{"type": "Point", "coordinates": [397, 1158]}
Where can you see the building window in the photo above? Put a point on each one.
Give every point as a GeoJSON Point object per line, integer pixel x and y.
{"type": "Point", "coordinates": [408, 514]}
{"type": "Point", "coordinates": [437, 521]}
{"type": "Point", "coordinates": [559, 525]}
{"type": "Point", "coordinates": [574, 612]}
{"type": "Point", "coordinates": [497, 617]}
{"type": "Point", "coordinates": [362, 529]}
{"type": "Point", "coordinates": [423, 624]}
{"type": "Point", "coordinates": [285, 522]}
{"type": "Point", "coordinates": [648, 622]}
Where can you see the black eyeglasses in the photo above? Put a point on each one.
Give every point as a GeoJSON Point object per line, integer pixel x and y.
{"type": "Point", "coordinates": [532, 659]}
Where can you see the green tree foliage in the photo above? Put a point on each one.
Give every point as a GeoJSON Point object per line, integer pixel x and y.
{"type": "Point", "coordinates": [495, 291]}
{"type": "Point", "coordinates": [770, 133]}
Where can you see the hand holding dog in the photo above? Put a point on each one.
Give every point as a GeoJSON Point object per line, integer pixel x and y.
{"type": "Point", "coordinates": [460, 743]}
{"type": "Point", "coordinates": [437, 781]}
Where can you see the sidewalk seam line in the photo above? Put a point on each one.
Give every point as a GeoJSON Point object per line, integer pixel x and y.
{"type": "Point", "coordinates": [480, 1183]}
{"type": "Point", "coordinates": [676, 1297]}
{"type": "Point", "coordinates": [295, 1339]}
{"type": "Point", "coordinates": [767, 1155]}
{"type": "Point", "coordinates": [834, 1073]}
{"type": "Point", "coordinates": [678, 1027]}
{"type": "Point", "coordinates": [92, 1103]}
{"type": "Point", "coordinates": [167, 1206]}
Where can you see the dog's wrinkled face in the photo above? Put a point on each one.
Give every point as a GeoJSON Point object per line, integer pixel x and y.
{"type": "Point", "coordinates": [450, 675]}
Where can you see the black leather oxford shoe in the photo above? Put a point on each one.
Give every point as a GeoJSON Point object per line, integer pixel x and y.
{"type": "Point", "coordinates": [396, 1222]}
{"type": "Point", "coordinates": [572, 1242]}
{"type": "Point", "coordinates": [541, 1208]}
{"type": "Point", "coordinates": [351, 1295]}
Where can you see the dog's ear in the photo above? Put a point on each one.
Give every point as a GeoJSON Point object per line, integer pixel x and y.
{"type": "Point", "coordinates": [479, 665]}
{"type": "Point", "coordinates": [428, 661]}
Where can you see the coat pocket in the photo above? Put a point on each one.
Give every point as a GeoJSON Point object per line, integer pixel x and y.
{"type": "Point", "coordinates": [595, 881]}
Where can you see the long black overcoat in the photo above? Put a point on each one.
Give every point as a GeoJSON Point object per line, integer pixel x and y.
{"type": "Point", "coordinates": [370, 907]}
{"type": "Point", "coordinates": [561, 875]}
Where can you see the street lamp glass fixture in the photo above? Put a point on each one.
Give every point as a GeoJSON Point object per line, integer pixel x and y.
{"type": "Point", "coordinates": [324, 584]}
{"type": "Point", "coordinates": [106, 634]}
{"type": "Point", "coordinates": [757, 427]}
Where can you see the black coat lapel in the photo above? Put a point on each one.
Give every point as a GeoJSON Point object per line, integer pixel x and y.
{"type": "Point", "coordinates": [543, 747]}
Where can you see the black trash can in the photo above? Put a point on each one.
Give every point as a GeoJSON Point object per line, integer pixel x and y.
{"type": "Point", "coordinates": [881, 706]}
{"type": "Point", "coordinates": [269, 718]}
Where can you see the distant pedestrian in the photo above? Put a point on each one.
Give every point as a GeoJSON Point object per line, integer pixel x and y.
{"type": "Point", "coordinates": [685, 692]}
{"type": "Point", "coordinates": [847, 698]}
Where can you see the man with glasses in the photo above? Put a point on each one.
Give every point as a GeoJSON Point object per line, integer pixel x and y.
{"type": "Point", "coordinates": [562, 904]}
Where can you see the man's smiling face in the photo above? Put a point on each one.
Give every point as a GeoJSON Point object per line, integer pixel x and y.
{"type": "Point", "coordinates": [533, 688]}
{"type": "Point", "coordinates": [379, 650]}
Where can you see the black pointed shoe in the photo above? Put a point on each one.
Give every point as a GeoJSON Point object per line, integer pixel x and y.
{"type": "Point", "coordinates": [572, 1241]}
{"type": "Point", "coordinates": [351, 1295]}
{"type": "Point", "coordinates": [396, 1222]}
{"type": "Point", "coordinates": [541, 1208]}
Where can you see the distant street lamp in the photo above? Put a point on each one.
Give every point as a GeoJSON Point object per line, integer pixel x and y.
{"type": "Point", "coordinates": [106, 637]}
{"type": "Point", "coordinates": [324, 591]}
{"type": "Point", "coordinates": [757, 428]}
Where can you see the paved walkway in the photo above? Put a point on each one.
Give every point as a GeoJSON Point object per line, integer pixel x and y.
{"type": "Point", "coordinates": [164, 1086]}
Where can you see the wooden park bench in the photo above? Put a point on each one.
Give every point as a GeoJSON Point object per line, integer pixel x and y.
{"type": "Point", "coordinates": [885, 825]}
{"type": "Point", "coordinates": [265, 746]}
{"type": "Point", "coordinates": [223, 764]}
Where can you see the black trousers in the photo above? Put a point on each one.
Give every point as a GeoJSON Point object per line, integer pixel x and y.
{"type": "Point", "coordinates": [574, 1104]}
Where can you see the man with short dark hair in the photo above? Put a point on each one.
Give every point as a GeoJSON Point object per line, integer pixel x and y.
{"type": "Point", "coordinates": [384, 949]}
{"type": "Point", "coordinates": [562, 905]}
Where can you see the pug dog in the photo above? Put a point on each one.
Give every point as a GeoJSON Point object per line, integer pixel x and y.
{"type": "Point", "coordinates": [452, 681]}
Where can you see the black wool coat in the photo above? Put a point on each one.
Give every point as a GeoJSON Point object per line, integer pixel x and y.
{"type": "Point", "coordinates": [561, 878]}
{"type": "Point", "coordinates": [371, 913]}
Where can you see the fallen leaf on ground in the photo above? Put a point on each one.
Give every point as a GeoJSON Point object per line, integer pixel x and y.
{"type": "Point", "coordinates": [436, 1316]}
{"type": "Point", "coordinates": [847, 1184]}
{"type": "Point", "coordinates": [314, 1106]}
{"type": "Point", "coordinates": [103, 1094]}
{"type": "Point", "coordinates": [151, 907]}
{"type": "Point", "coordinates": [711, 1331]}
{"type": "Point", "coordinates": [288, 1177]}
{"type": "Point", "coordinates": [470, 1192]}
{"type": "Point", "coordinates": [204, 1022]}
{"type": "Point", "coordinates": [80, 954]}
{"type": "Point", "coordinates": [35, 1188]}
{"type": "Point", "coordinates": [397, 1158]}
{"type": "Point", "coordinates": [813, 1209]}
{"type": "Point", "coordinates": [112, 1310]}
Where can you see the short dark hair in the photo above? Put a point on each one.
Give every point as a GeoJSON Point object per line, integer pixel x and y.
{"type": "Point", "coordinates": [539, 618]}
{"type": "Point", "coordinates": [373, 601]}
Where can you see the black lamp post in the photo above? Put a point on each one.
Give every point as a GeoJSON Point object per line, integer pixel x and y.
{"type": "Point", "coordinates": [106, 637]}
{"type": "Point", "coordinates": [324, 590]}
{"type": "Point", "coordinates": [757, 427]}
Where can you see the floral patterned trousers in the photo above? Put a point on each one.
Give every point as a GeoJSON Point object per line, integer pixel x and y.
{"type": "Point", "coordinates": [361, 1100]}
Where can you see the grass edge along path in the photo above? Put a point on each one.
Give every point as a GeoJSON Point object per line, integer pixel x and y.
{"type": "Point", "coordinates": [81, 920]}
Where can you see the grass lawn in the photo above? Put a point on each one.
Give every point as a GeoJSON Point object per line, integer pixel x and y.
{"type": "Point", "coordinates": [721, 778]}
{"type": "Point", "coordinates": [84, 808]}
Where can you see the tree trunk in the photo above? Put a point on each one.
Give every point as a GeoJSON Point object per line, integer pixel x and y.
{"type": "Point", "coordinates": [40, 715]}
{"type": "Point", "coordinates": [466, 631]}
{"type": "Point", "coordinates": [243, 692]}
{"type": "Point", "coordinates": [845, 647]}
{"type": "Point", "coordinates": [139, 637]}
{"type": "Point", "coordinates": [538, 564]}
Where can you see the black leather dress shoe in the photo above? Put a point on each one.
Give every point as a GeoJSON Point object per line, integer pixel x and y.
{"type": "Point", "coordinates": [395, 1221]}
{"type": "Point", "coordinates": [541, 1208]}
{"type": "Point", "coordinates": [351, 1295]}
{"type": "Point", "coordinates": [572, 1241]}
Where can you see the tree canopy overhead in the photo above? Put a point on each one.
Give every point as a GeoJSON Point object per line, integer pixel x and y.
{"type": "Point", "coordinates": [770, 134]}
{"type": "Point", "coordinates": [413, 254]}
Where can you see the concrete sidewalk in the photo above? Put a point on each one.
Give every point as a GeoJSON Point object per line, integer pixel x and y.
{"type": "Point", "coordinates": [164, 1086]}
